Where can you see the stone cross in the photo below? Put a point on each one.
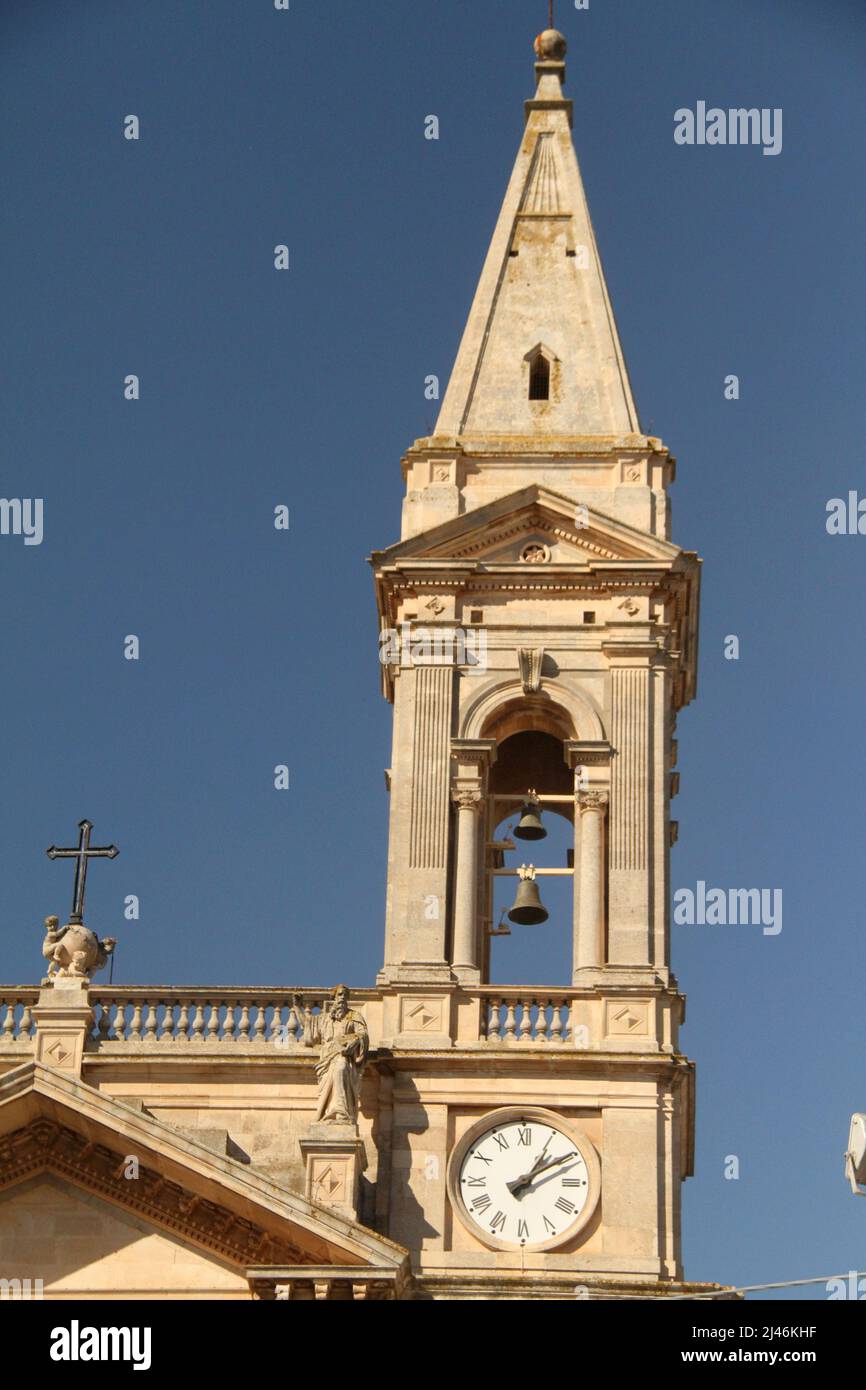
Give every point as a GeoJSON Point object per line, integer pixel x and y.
{"type": "Point", "coordinates": [81, 853]}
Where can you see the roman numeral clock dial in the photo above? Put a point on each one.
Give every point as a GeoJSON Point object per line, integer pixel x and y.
{"type": "Point", "coordinates": [521, 1179]}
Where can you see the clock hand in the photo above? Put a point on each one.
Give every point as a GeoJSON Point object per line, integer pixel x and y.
{"type": "Point", "coordinates": [525, 1178]}
{"type": "Point", "coordinates": [534, 1169]}
{"type": "Point", "coordinates": [553, 1162]}
{"type": "Point", "coordinates": [536, 1172]}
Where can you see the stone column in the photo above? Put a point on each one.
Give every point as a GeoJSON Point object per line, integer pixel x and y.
{"type": "Point", "coordinates": [471, 759]}
{"type": "Point", "coordinates": [590, 762]}
{"type": "Point", "coordinates": [589, 946]}
{"type": "Point", "coordinates": [468, 804]}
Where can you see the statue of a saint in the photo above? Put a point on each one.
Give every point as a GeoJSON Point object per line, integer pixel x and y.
{"type": "Point", "coordinates": [342, 1035]}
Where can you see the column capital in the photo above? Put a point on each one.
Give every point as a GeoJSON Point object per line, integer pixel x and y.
{"type": "Point", "coordinates": [592, 801]}
{"type": "Point", "coordinates": [467, 798]}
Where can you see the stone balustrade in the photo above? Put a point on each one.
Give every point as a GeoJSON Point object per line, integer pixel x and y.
{"type": "Point", "coordinates": [16, 1015]}
{"type": "Point", "coordinates": [208, 1016]}
{"type": "Point", "coordinates": [268, 1018]}
{"type": "Point", "coordinates": [518, 1016]}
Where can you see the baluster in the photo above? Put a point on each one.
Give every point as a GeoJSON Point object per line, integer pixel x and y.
{"type": "Point", "coordinates": [135, 1025]}
{"type": "Point", "coordinates": [150, 1022]}
{"type": "Point", "coordinates": [494, 1022]}
{"type": "Point", "coordinates": [541, 1021]}
{"type": "Point", "coordinates": [26, 1023]}
{"type": "Point", "coordinates": [244, 1025]}
{"type": "Point", "coordinates": [509, 1028]}
{"type": "Point", "coordinates": [277, 1034]}
{"type": "Point", "coordinates": [213, 1023]}
{"type": "Point", "coordinates": [526, 1020]}
{"type": "Point", "coordinates": [292, 1025]}
{"type": "Point", "coordinates": [556, 1023]}
{"type": "Point", "coordinates": [183, 1022]}
{"type": "Point", "coordinates": [9, 1024]}
{"type": "Point", "coordinates": [119, 1020]}
{"type": "Point", "coordinates": [229, 1024]}
{"type": "Point", "coordinates": [259, 1030]}
{"type": "Point", "coordinates": [198, 1022]}
{"type": "Point", "coordinates": [104, 1020]}
{"type": "Point", "coordinates": [167, 1021]}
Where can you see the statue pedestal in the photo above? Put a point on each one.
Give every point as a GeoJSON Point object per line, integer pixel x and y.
{"type": "Point", "coordinates": [63, 1019]}
{"type": "Point", "coordinates": [334, 1161]}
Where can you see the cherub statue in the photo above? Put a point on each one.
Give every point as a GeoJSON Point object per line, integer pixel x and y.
{"type": "Point", "coordinates": [73, 951]}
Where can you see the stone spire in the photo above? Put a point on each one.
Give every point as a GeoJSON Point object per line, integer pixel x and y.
{"type": "Point", "coordinates": [542, 292]}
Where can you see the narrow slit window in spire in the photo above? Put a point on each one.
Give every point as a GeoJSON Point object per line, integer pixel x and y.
{"type": "Point", "coordinates": [539, 378]}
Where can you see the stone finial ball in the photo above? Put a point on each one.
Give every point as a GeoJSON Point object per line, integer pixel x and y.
{"type": "Point", "coordinates": [551, 45]}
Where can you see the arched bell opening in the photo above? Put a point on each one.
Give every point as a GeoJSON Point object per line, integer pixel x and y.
{"type": "Point", "coordinates": [529, 822]}
{"type": "Point", "coordinates": [529, 713]}
{"type": "Point", "coordinates": [525, 811]}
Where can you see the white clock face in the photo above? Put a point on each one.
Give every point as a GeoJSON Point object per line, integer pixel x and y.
{"type": "Point", "coordinates": [524, 1182]}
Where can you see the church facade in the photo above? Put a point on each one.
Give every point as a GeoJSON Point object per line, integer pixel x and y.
{"type": "Point", "coordinates": [433, 1136]}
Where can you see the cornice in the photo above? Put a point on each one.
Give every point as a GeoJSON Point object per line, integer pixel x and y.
{"type": "Point", "coordinates": [517, 447]}
{"type": "Point", "coordinates": [526, 1056]}
{"type": "Point", "coordinates": [398, 579]}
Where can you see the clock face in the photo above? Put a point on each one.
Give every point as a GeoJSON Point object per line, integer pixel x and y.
{"type": "Point", "coordinates": [525, 1182]}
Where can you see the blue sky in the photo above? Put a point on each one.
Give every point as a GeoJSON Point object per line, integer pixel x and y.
{"type": "Point", "coordinates": [155, 257]}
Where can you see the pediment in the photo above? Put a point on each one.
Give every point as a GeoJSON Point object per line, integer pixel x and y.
{"type": "Point", "coordinates": [532, 526]}
{"type": "Point", "coordinates": [85, 1240]}
{"type": "Point", "coordinates": [53, 1125]}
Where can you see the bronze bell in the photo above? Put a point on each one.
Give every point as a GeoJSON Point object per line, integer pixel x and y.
{"type": "Point", "coordinates": [530, 826]}
{"type": "Point", "coordinates": [528, 909]}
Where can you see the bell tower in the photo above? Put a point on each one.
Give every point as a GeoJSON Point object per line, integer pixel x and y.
{"type": "Point", "coordinates": [538, 638]}
{"type": "Point", "coordinates": [539, 626]}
